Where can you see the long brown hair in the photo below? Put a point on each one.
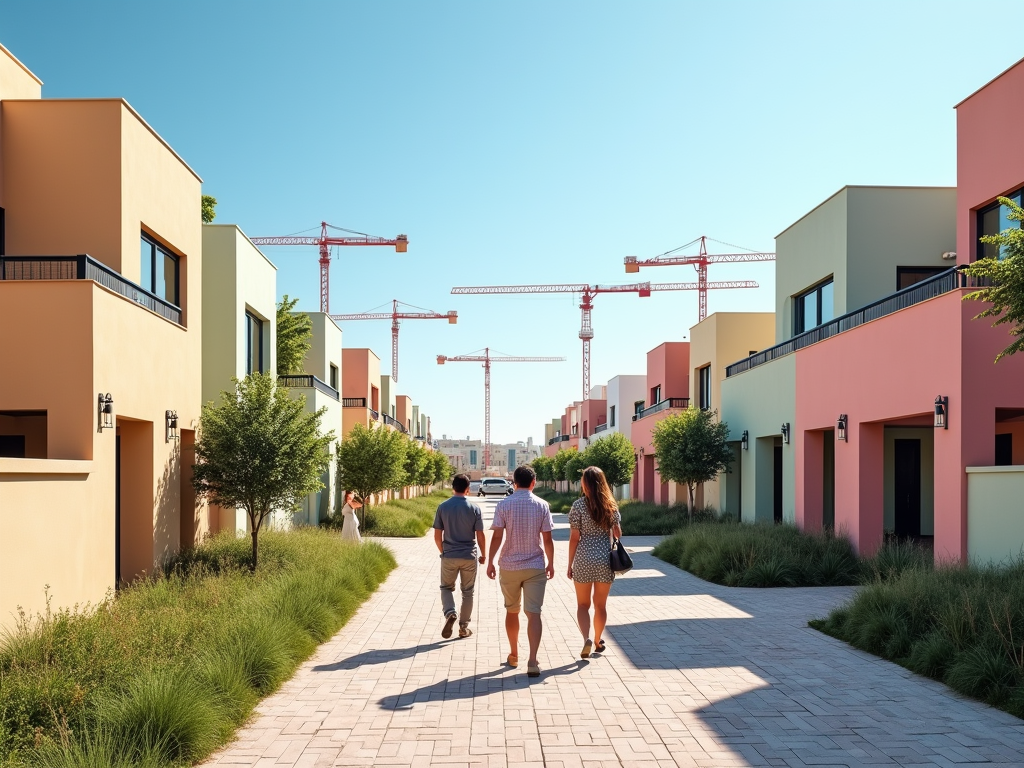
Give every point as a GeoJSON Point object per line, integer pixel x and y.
{"type": "Point", "coordinates": [600, 502]}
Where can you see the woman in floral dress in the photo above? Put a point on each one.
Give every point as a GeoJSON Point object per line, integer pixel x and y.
{"type": "Point", "coordinates": [593, 519]}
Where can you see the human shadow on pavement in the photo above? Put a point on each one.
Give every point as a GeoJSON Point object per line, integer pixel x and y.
{"type": "Point", "coordinates": [473, 686]}
{"type": "Point", "coordinates": [382, 656]}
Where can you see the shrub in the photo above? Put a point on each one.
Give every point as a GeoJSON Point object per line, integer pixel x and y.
{"type": "Point", "coordinates": [401, 518]}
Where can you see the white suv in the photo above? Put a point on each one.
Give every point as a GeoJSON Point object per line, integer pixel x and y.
{"type": "Point", "coordinates": [494, 486]}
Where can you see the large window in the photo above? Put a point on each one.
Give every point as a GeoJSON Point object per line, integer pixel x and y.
{"type": "Point", "coordinates": [159, 271]}
{"type": "Point", "coordinates": [992, 220]}
{"type": "Point", "coordinates": [704, 387]}
{"type": "Point", "coordinates": [656, 395]}
{"type": "Point", "coordinates": [813, 307]}
{"type": "Point", "coordinates": [611, 416]}
{"type": "Point", "coordinates": [253, 344]}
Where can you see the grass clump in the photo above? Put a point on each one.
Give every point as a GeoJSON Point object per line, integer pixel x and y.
{"type": "Point", "coordinates": [163, 673]}
{"type": "Point", "coordinates": [400, 518]}
{"type": "Point", "coordinates": [761, 555]}
{"type": "Point", "coordinates": [961, 625]}
{"type": "Point", "coordinates": [638, 518]}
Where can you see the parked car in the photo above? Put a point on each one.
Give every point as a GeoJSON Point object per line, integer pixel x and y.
{"type": "Point", "coordinates": [474, 486]}
{"type": "Point", "coordinates": [494, 486]}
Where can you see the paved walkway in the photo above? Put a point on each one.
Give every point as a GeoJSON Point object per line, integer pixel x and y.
{"type": "Point", "coordinates": [694, 675]}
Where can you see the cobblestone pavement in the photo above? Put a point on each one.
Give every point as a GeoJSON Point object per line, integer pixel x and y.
{"type": "Point", "coordinates": [694, 675]}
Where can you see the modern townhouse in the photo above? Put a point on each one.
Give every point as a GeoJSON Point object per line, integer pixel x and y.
{"type": "Point", "coordinates": [567, 435]}
{"type": "Point", "coordinates": [625, 396]}
{"type": "Point", "coordinates": [101, 386]}
{"type": "Point", "coordinates": [360, 388]}
{"type": "Point", "coordinates": [593, 413]}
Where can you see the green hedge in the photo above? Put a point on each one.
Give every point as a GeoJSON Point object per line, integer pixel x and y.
{"type": "Point", "coordinates": [165, 672]}
{"type": "Point", "coordinates": [402, 518]}
{"type": "Point", "coordinates": [963, 626]}
{"type": "Point", "coordinates": [638, 518]}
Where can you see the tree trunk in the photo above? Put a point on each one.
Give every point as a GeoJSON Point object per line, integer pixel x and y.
{"type": "Point", "coordinates": [689, 488]}
{"type": "Point", "coordinates": [255, 534]}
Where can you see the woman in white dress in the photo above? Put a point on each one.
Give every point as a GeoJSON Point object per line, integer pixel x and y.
{"type": "Point", "coordinates": [350, 523]}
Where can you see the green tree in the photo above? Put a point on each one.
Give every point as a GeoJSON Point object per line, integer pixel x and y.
{"type": "Point", "coordinates": [574, 466]}
{"type": "Point", "coordinates": [692, 448]}
{"type": "Point", "coordinates": [209, 203]}
{"type": "Point", "coordinates": [542, 466]}
{"type": "Point", "coordinates": [558, 462]}
{"type": "Point", "coordinates": [259, 451]}
{"type": "Point", "coordinates": [442, 469]}
{"type": "Point", "coordinates": [294, 335]}
{"type": "Point", "coordinates": [1004, 279]}
{"type": "Point", "coordinates": [371, 461]}
{"type": "Point", "coordinates": [417, 459]}
{"type": "Point", "coordinates": [613, 455]}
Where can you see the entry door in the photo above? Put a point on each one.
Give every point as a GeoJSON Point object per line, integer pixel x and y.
{"type": "Point", "coordinates": [117, 512]}
{"type": "Point", "coordinates": [907, 486]}
{"type": "Point", "coordinates": [777, 485]}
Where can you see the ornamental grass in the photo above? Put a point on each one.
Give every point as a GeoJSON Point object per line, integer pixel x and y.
{"type": "Point", "coordinates": [399, 518]}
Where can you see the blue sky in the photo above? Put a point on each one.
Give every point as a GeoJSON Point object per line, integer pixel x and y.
{"type": "Point", "coordinates": [526, 142]}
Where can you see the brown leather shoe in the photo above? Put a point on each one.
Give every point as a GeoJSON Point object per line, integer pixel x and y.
{"type": "Point", "coordinates": [449, 622]}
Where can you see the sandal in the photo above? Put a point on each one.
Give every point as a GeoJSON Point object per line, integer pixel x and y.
{"type": "Point", "coordinates": [512, 661]}
{"type": "Point", "coordinates": [600, 647]}
{"type": "Point", "coordinates": [533, 671]}
{"type": "Point", "coordinates": [587, 647]}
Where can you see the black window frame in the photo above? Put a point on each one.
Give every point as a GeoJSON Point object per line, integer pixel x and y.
{"type": "Point", "coordinates": [638, 406]}
{"type": "Point", "coordinates": [335, 376]}
{"type": "Point", "coordinates": [925, 273]}
{"type": "Point", "coordinates": [656, 394]}
{"type": "Point", "coordinates": [799, 321]}
{"type": "Point", "coordinates": [704, 387]}
{"type": "Point", "coordinates": [979, 214]}
{"type": "Point", "coordinates": [155, 248]}
{"type": "Point", "coordinates": [251, 319]}
{"type": "Point", "coordinates": [611, 416]}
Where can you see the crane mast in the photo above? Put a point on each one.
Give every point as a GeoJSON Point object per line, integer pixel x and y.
{"type": "Point", "coordinates": [486, 358]}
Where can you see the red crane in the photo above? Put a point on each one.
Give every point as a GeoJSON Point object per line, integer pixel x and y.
{"type": "Point", "coordinates": [325, 241]}
{"type": "Point", "coordinates": [700, 262]}
{"type": "Point", "coordinates": [587, 294]}
{"type": "Point", "coordinates": [395, 316]}
{"type": "Point", "coordinates": [486, 359]}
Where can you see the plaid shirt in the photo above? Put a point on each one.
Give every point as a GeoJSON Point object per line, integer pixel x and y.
{"type": "Point", "coordinates": [524, 517]}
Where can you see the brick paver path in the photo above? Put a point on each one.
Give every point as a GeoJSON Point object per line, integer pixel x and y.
{"type": "Point", "coordinates": [694, 675]}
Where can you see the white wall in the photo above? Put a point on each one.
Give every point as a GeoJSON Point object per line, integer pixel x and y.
{"type": "Point", "coordinates": [623, 391]}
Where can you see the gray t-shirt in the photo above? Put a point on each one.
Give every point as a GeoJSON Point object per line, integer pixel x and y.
{"type": "Point", "coordinates": [460, 519]}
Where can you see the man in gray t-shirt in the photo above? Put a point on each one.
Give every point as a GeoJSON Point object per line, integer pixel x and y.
{"type": "Point", "coordinates": [459, 535]}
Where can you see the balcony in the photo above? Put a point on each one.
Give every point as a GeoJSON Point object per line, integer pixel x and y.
{"type": "Point", "coordinates": [944, 282]}
{"type": "Point", "coordinates": [353, 402]}
{"type": "Point", "coordinates": [600, 428]}
{"type": "Point", "coordinates": [664, 405]}
{"type": "Point", "coordinates": [84, 267]}
{"type": "Point", "coordinates": [308, 382]}
{"type": "Point", "coordinates": [375, 415]}
{"type": "Point", "coordinates": [395, 423]}
{"type": "Point", "coordinates": [559, 439]}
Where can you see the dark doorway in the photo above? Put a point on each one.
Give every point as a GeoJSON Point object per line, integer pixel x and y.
{"type": "Point", "coordinates": [777, 485]}
{"type": "Point", "coordinates": [13, 446]}
{"type": "Point", "coordinates": [117, 512]}
{"type": "Point", "coordinates": [907, 488]}
{"type": "Point", "coordinates": [828, 476]}
{"type": "Point", "coordinates": [1004, 450]}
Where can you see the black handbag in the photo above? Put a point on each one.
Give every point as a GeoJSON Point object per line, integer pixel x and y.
{"type": "Point", "coordinates": [619, 558]}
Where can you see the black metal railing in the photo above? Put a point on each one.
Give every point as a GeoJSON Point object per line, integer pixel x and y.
{"type": "Point", "coordinates": [353, 402]}
{"type": "Point", "coordinates": [375, 415]}
{"type": "Point", "coordinates": [559, 439]}
{"type": "Point", "coordinates": [395, 423]}
{"type": "Point", "coordinates": [664, 405]}
{"type": "Point", "coordinates": [944, 282]}
{"type": "Point", "coordinates": [309, 382]}
{"type": "Point", "coordinates": [84, 267]}
{"type": "Point", "coordinates": [600, 428]}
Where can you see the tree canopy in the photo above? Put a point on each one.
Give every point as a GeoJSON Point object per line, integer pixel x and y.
{"type": "Point", "coordinates": [294, 335]}
{"type": "Point", "coordinates": [441, 469]}
{"type": "Point", "coordinates": [613, 455]}
{"type": "Point", "coordinates": [259, 450]}
{"type": "Point", "coordinates": [209, 204]}
{"type": "Point", "coordinates": [1004, 280]}
{"type": "Point", "coordinates": [558, 462]}
{"type": "Point", "coordinates": [692, 448]}
{"type": "Point", "coordinates": [542, 466]}
{"type": "Point", "coordinates": [372, 460]}
{"type": "Point", "coordinates": [419, 468]}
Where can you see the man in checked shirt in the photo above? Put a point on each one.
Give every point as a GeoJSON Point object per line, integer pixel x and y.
{"type": "Point", "coordinates": [526, 521]}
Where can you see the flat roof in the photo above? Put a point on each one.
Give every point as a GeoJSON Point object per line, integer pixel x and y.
{"type": "Point", "coordinates": [242, 233]}
{"type": "Point", "coordinates": [853, 186]}
{"type": "Point", "coordinates": [15, 59]}
{"type": "Point", "coordinates": [986, 85]}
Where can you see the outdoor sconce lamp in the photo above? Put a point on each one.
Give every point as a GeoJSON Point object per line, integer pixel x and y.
{"type": "Point", "coordinates": [785, 432]}
{"type": "Point", "coordinates": [941, 412]}
{"type": "Point", "coordinates": [171, 422]}
{"type": "Point", "coordinates": [745, 440]}
{"type": "Point", "coordinates": [841, 427]}
{"type": "Point", "coordinates": [105, 411]}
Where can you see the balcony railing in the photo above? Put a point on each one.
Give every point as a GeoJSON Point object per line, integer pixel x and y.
{"type": "Point", "coordinates": [353, 402]}
{"type": "Point", "coordinates": [664, 405]}
{"type": "Point", "coordinates": [309, 382]}
{"type": "Point", "coordinates": [944, 282]}
{"type": "Point", "coordinates": [395, 423]}
{"type": "Point", "coordinates": [375, 415]}
{"type": "Point", "coordinates": [600, 428]}
{"type": "Point", "coordinates": [559, 439]}
{"type": "Point", "coordinates": [84, 267]}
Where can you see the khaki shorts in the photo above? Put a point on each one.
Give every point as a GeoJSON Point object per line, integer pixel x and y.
{"type": "Point", "coordinates": [528, 582]}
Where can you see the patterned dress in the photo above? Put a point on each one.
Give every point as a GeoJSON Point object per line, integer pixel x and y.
{"type": "Point", "coordinates": [591, 561]}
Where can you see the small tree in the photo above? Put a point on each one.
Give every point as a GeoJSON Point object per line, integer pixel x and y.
{"type": "Point", "coordinates": [692, 448]}
{"type": "Point", "coordinates": [209, 204]}
{"type": "Point", "coordinates": [441, 469]}
{"type": "Point", "coordinates": [417, 460]}
{"type": "Point", "coordinates": [294, 334]}
{"type": "Point", "coordinates": [558, 462]}
{"type": "Point", "coordinates": [259, 451]}
{"type": "Point", "coordinates": [1005, 278]}
{"type": "Point", "coordinates": [542, 466]}
{"type": "Point", "coordinates": [574, 466]}
{"type": "Point", "coordinates": [613, 455]}
{"type": "Point", "coordinates": [371, 461]}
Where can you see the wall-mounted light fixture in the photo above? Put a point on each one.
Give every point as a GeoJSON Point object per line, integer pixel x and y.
{"type": "Point", "coordinates": [105, 411]}
{"type": "Point", "coordinates": [745, 440]}
{"type": "Point", "coordinates": [171, 426]}
{"type": "Point", "coordinates": [941, 412]}
{"type": "Point", "coordinates": [785, 432]}
{"type": "Point", "coordinates": [841, 427]}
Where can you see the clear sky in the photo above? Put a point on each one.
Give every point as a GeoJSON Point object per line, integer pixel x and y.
{"type": "Point", "coordinates": [527, 142]}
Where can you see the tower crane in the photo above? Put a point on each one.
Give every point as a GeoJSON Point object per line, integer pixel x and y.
{"type": "Point", "coordinates": [487, 359]}
{"type": "Point", "coordinates": [587, 294]}
{"type": "Point", "coordinates": [325, 241]}
{"type": "Point", "coordinates": [700, 263]}
{"type": "Point", "coordinates": [395, 316]}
